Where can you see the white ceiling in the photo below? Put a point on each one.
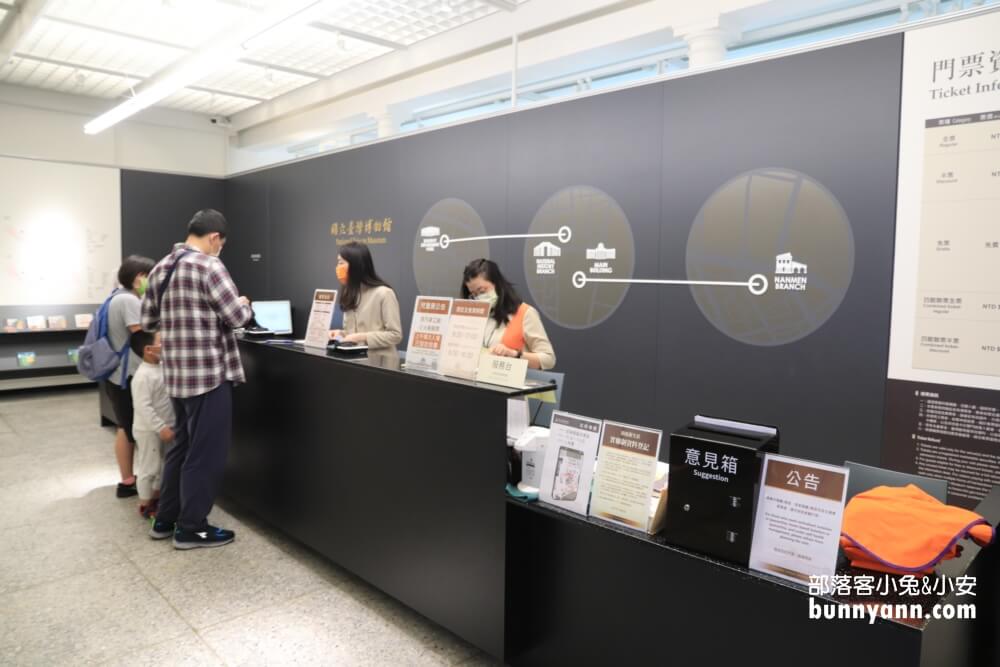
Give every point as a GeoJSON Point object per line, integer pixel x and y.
{"type": "Point", "coordinates": [104, 48]}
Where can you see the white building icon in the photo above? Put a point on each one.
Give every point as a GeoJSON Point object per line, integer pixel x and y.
{"type": "Point", "coordinates": [601, 252]}
{"type": "Point", "coordinates": [547, 249]}
{"type": "Point", "coordinates": [429, 236]}
{"type": "Point", "coordinates": [784, 265]}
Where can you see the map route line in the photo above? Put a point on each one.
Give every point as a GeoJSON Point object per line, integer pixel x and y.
{"type": "Point", "coordinates": [564, 235]}
{"type": "Point", "coordinates": [757, 284]}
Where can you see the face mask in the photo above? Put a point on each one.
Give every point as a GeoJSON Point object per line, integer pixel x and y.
{"type": "Point", "coordinates": [342, 273]}
{"type": "Point", "coordinates": [489, 297]}
{"type": "Point", "coordinates": [143, 286]}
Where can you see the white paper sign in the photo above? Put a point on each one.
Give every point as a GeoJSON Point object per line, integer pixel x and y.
{"type": "Point", "coordinates": [463, 342]}
{"type": "Point", "coordinates": [626, 470]}
{"type": "Point", "coordinates": [799, 513]}
{"type": "Point", "coordinates": [504, 371]}
{"type": "Point", "coordinates": [320, 316]}
{"type": "Point", "coordinates": [569, 461]}
{"type": "Point", "coordinates": [427, 332]}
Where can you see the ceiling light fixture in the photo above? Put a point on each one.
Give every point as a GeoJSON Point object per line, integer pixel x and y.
{"type": "Point", "coordinates": [228, 48]}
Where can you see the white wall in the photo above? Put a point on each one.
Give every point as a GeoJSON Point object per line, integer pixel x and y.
{"type": "Point", "coordinates": [49, 126]}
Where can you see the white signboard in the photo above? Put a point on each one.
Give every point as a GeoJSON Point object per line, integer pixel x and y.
{"type": "Point", "coordinates": [463, 342]}
{"type": "Point", "coordinates": [626, 470]}
{"type": "Point", "coordinates": [799, 513]}
{"type": "Point", "coordinates": [569, 461]}
{"type": "Point", "coordinates": [427, 331]}
{"type": "Point", "coordinates": [320, 316]}
{"type": "Point", "coordinates": [504, 371]}
{"type": "Point", "coordinates": [946, 284]}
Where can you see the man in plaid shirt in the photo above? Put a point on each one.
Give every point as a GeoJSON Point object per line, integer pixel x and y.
{"type": "Point", "coordinates": [192, 301]}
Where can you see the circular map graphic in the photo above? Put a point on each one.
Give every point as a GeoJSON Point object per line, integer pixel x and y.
{"type": "Point", "coordinates": [582, 230]}
{"type": "Point", "coordinates": [782, 227]}
{"type": "Point", "coordinates": [437, 263]}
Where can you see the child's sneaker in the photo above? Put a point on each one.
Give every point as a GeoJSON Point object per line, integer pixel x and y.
{"type": "Point", "coordinates": [209, 537]}
{"type": "Point", "coordinates": [148, 511]}
{"type": "Point", "coordinates": [161, 530]}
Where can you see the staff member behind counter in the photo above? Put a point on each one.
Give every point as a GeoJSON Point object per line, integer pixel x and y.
{"type": "Point", "coordinates": [371, 311]}
{"type": "Point", "coordinates": [515, 329]}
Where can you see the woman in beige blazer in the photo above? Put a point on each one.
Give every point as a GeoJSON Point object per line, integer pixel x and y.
{"type": "Point", "coordinates": [514, 329]}
{"type": "Point", "coordinates": [371, 311]}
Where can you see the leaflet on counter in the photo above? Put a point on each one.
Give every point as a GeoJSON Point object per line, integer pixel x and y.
{"type": "Point", "coordinates": [569, 461]}
{"type": "Point", "coordinates": [320, 316]}
{"type": "Point", "coordinates": [626, 470]}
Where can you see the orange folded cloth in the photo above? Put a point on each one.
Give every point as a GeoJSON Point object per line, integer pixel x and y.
{"type": "Point", "coordinates": [903, 530]}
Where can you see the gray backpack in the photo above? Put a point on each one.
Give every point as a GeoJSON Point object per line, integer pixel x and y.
{"type": "Point", "coordinates": [98, 360]}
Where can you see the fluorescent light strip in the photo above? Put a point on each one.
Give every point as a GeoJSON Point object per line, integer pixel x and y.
{"type": "Point", "coordinates": [200, 64]}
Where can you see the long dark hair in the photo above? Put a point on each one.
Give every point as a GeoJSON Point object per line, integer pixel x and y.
{"type": "Point", "coordinates": [507, 299]}
{"type": "Point", "coordinates": [360, 271]}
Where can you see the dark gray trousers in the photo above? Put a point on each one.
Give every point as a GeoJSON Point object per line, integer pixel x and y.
{"type": "Point", "coordinates": [196, 460]}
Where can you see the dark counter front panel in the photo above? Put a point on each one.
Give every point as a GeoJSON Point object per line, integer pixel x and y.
{"type": "Point", "coordinates": [586, 592]}
{"type": "Point", "coordinates": [396, 477]}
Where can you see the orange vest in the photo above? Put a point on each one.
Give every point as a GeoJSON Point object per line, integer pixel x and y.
{"type": "Point", "coordinates": [903, 530]}
{"type": "Point", "coordinates": [513, 335]}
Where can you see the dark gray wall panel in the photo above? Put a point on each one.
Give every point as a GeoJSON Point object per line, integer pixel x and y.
{"type": "Point", "coordinates": [307, 197]}
{"type": "Point", "coordinates": [248, 246]}
{"type": "Point", "coordinates": [832, 115]}
{"type": "Point", "coordinates": [659, 152]}
{"type": "Point", "coordinates": [156, 209]}
{"type": "Point", "coordinates": [611, 143]}
{"type": "Point", "coordinates": [467, 163]}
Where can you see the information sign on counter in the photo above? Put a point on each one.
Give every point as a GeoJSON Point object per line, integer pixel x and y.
{"type": "Point", "coordinates": [626, 470]}
{"type": "Point", "coordinates": [463, 342]}
{"type": "Point", "coordinates": [799, 513]}
{"type": "Point", "coordinates": [504, 371]}
{"type": "Point", "coordinates": [569, 461]}
{"type": "Point", "coordinates": [320, 316]}
{"type": "Point", "coordinates": [427, 331]}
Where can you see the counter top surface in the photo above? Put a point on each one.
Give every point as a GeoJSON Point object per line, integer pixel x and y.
{"type": "Point", "coordinates": [394, 361]}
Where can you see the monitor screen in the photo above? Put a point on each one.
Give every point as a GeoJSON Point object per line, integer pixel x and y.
{"type": "Point", "coordinates": [274, 315]}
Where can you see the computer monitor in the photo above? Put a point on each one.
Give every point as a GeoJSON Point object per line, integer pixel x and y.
{"type": "Point", "coordinates": [274, 315]}
{"type": "Point", "coordinates": [541, 406]}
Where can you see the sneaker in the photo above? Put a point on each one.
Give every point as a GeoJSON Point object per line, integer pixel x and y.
{"type": "Point", "coordinates": [161, 530]}
{"type": "Point", "coordinates": [126, 490]}
{"type": "Point", "coordinates": [209, 537]}
{"type": "Point", "coordinates": [148, 511]}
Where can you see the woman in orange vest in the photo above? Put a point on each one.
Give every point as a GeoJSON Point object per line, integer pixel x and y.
{"type": "Point", "coordinates": [515, 329]}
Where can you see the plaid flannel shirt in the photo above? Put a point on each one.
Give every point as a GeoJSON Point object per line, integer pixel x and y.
{"type": "Point", "coordinates": [196, 320]}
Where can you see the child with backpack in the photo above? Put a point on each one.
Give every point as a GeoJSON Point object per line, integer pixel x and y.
{"type": "Point", "coordinates": [105, 356]}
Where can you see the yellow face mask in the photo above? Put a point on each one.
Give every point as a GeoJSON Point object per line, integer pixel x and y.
{"type": "Point", "coordinates": [342, 273]}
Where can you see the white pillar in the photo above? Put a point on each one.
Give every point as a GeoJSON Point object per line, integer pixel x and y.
{"type": "Point", "coordinates": [707, 41]}
{"type": "Point", "coordinates": [706, 48]}
{"type": "Point", "coordinates": [388, 123]}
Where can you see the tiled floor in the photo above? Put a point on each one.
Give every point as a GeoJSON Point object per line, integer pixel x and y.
{"type": "Point", "coordinates": [82, 583]}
